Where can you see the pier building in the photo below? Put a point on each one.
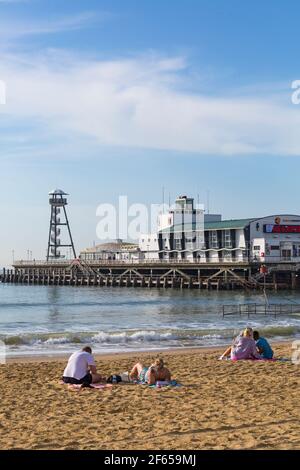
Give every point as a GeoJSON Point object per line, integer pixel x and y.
{"type": "Point", "coordinates": [190, 249]}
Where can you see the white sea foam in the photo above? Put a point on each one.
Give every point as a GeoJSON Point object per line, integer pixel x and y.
{"type": "Point", "coordinates": [141, 337]}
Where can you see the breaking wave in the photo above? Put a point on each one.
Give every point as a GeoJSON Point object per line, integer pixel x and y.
{"type": "Point", "coordinates": [141, 338]}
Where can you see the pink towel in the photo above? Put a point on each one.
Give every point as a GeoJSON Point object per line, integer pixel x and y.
{"type": "Point", "coordinates": [101, 386]}
{"type": "Point", "coordinates": [78, 386]}
{"type": "Point", "coordinates": [253, 359]}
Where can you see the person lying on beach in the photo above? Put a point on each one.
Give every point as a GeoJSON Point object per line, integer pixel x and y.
{"type": "Point", "coordinates": [156, 372]}
{"type": "Point", "coordinates": [81, 368]}
{"type": "Point", "coordinates": [263, 346]}
{"type": "Point", "coordinates": [243, 347]}
{"type": "Point", "coordinates": [138, 372]}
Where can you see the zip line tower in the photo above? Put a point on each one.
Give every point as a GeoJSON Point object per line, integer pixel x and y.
{"type": "Point", "coordinates": [58, 222]}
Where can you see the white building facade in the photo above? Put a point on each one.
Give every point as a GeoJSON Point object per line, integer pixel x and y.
{"type": "Point", "coordinates": [112, 251]}
{"type": "Point", "coordinates": [186, 233]}
{"type": "Point", "coordinates": [275, 239]}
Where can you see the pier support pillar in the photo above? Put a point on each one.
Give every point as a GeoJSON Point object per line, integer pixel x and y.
{"type": "Point", "coordinates": [275, 281]}
{"type": "Point", "coordinates": [293, 280]}
{"type": "Point", "coordinates": [199, 279]}
{"type": "Point", "coordinates": [227, 287]}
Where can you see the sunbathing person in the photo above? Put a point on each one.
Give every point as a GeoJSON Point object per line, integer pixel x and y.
{"type": "Point", "coordinates": [139, 372]}
{"type": "Point", "coordinates": [81, 368]}
{"type": "Point", "coordinates": [263, 346]}
{"type": "Point", "coordinates": [156, 372]}
{"type": "Point", "coordinates": [243, 347]}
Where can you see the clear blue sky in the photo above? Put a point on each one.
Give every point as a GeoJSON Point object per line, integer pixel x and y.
{"type": "Point", "coordinates": [109, 98]}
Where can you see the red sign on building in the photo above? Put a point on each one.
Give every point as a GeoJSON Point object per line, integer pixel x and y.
{"type": "Point", "coordinates": [270, 228]}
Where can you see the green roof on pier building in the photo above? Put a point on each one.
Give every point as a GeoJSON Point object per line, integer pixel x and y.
{"type": "Point", "coordinates": [221, 225]}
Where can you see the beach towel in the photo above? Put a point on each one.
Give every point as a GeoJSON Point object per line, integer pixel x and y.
{"type": "Point", "coordinates": [101, 386]}
{"type": "Point", "coordinates": [163, 383]}
{"type": "Point", "coordinates": [94, 386]}
{"type": "Point", "coordinates": [274, 359]}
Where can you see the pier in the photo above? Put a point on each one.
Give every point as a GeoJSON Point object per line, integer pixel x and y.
{"type": "Point", "coordinates": [250, 254]}
{"type": "Point", "coordinates": [180, 274]}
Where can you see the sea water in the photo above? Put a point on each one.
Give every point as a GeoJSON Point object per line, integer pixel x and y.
{"type": "Point", "coordinates": [37, 320]}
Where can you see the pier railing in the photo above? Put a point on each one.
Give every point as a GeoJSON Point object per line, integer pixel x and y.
{"type": "Point", "coordinates": [106, 262]}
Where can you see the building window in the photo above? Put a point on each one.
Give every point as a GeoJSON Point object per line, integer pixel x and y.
{"type": "Point", "coordinates": [213, 239]}
{"type": "Point", "coordinates": [177, 244]}
{"type": "Point", "coordinates": [256, 247]}
{"type": "Point", "coordinates": [227, 239]}
{"type": "Point", "coordinates": [189, 238]}
{"type": "Point", "coordinates": [275, 247]}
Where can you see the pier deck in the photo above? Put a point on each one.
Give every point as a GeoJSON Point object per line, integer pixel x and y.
{"type": "Point", "coordinates": [154, 273]}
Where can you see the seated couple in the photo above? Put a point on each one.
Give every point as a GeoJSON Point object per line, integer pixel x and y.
{"type": "Point", "coordinates": [248, 345]}
{"type": "Point", "coordinates": [157, 372]}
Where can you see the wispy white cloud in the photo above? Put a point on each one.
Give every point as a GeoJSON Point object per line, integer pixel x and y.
{"type": "Point", "coordinates": [139, 103]}
{"type": "Point", "coordinates": [12, 29]}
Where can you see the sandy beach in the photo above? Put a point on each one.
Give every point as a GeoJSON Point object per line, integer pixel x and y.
{"type": "Point", "coordinates": [221, 405]}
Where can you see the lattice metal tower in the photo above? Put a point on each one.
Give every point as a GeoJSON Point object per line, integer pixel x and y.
{"type": "Point", "coordinates": [58, 202]}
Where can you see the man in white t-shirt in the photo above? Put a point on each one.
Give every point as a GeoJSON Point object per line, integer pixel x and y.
{"type": "Point", "coordinates": [81, 368]}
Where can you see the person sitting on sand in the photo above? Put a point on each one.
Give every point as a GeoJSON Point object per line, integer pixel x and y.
{"type": "Point", "coordinates": [263, 346]}
{"type": "Point", "coordinates": [156, 372]}
{"type": "Point", "coordinates": [81, 368]}
{"type": "Point", "coordinates": [227, 351]}
{"type": "Point", "coordinates": [243, 347]}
